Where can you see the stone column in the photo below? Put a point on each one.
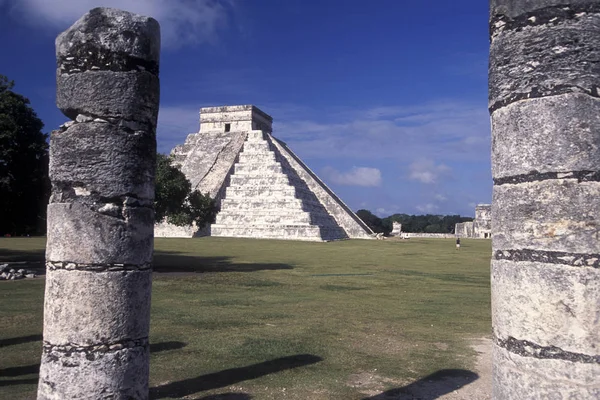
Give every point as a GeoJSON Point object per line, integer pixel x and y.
{"type": "Point", "coordinates": [101, 217]}
{"type": "Point", "coordinates": [544, 81]}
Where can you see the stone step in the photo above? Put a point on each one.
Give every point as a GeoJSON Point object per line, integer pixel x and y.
{"type": "Point", "coordinates": [255, 136]}
{"type": "Point", "coordinates": [290, 232]}
{"type": "Point", "coordinates": [249, 191]}
{"type": "Point", "coordinates": [266, 157]}
{"type": "Point", "coordinates": [274, 190]}
{"type": "Point", "coordinates": [260, 180]}
{"type": "Point", "coordinates": [257, 146]}
{"type": "Point", "coordinates": [271, 204]}
{"type": "Point", "coordinates": [284, 218]}
{"type": "Point", "coordinates": [257, 168]}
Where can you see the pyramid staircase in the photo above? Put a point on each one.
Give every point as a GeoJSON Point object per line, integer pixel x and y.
{"type": "Point", "coordinates": [267, 199]}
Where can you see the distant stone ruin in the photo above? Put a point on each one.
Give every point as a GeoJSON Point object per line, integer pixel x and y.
{"type": "Point", "coordinates": [396, 229]}
{"type": "Point", "coordinates": [480, 228]}
{"type": "Point", "coordinates": [100, 217]}
{"type": "Point", "coordinates": [263, 189]}
{"type": "Point", "coordinates": [544, 75]}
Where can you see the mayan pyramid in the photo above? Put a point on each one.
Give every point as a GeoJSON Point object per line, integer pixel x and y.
{"type": "Point", "coordinates": [263, 189]}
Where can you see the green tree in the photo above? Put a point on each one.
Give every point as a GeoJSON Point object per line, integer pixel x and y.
{"type": "Point", "coordinates": [372, 221]}
{"type": "Point", "coordinates": [175, 202]}
{"type": "Point", "coordinates": [24, 184]}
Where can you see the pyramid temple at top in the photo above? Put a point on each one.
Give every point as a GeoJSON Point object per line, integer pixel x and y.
{"type": "Point", "coordinates": [262, 188]}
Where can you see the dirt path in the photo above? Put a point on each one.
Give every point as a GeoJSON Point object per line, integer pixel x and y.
{"type": "Point", "coordinates": [448, 384]}
{"type": "Point", "coordinates": [481, 388]}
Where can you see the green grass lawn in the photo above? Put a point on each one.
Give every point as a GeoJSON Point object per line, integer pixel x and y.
{"type": "Point", "coordinates": [260, 319]}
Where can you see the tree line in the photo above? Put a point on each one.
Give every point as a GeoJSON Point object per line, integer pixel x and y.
{"type": "Point", "coordinates": [428, 223]}
{"type": "Point", "coordinates": [25, 185]}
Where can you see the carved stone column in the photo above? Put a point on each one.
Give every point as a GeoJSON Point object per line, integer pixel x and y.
{"type": "Point", "coordinates": [101, 216]}
{"type": "Point", "coordinates": [544, 102]}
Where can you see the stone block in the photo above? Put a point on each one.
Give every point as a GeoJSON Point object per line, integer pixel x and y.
{"type": "Point", "coordinates": [537, 62]}
{"type": "Point", "coordinates": [79, 235]}
{"type": "Point", "coordinates": [534, 136]}
{"type": "Point", "coordinates": [90, 308]}
{"type": "Point", "coordinates": [131, 96]}
{"type": "Point", "coordinates": [548, 304]}
{"type": "Point", "coordinates": [104, 159]}
{"type": "Point", "coordinates": [518, 378]}
{"type": "Point", "coordinates": [552, 215]}
{"type": "Point", "coordinates": [515, 8]}
{"type": "Point", "coordinates": [109, 30]}
{"type": "Point", "coordinates": [115, 375]}
{"type": "Point", "coordinates": [257, 168]}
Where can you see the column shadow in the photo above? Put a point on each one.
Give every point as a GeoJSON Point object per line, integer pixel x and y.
{"type": "Point", "coordinates": [231, 376]}
{"type": "Point", "coordinates": [431, 387]}
{"type": "Point", "coordinates": [171, 262]}
{"type": "Point", "coordinates": [20, 340]}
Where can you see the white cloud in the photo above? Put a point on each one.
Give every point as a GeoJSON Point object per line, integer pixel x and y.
{"type": "Point", "coordinates": [182, 21]}
{"type": "Point", "coordinates": [440, 197]}
{"type": "Point", "coordinates": [443, 130]}
{"type": "Point", "coordinates": [428, 208]}
{"type": "Point", "coordinates": [357, 176]}
{"type": "Point", "coordinates": [426, 171]}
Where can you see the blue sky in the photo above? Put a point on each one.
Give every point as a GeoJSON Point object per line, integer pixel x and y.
{"type": "Point", "coordinates": [386, 100]}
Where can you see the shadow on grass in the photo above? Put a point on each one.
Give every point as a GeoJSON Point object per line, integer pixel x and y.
{"type": "Point", "coordinates": [166, 346]}
{"type": "Point", "coordinates": [229, 377]}
{"type": "Point", "coordinates": [430, 387]}
{"type": "Point", "coordinates": [15, 255]}
{"type": "Point", "coordinates": [20, 340]}
{"type": "Point", "coordinates": [30, 381]}
{"type": "Point", "coordinates": [176, 262]}
{"type": "Point", "coordinates": [18, 371]}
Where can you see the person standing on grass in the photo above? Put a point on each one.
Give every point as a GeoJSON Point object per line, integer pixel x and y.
{"type": "Point", "coordinates": [457, 243]}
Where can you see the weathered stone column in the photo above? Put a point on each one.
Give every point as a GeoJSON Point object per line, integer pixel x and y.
{"type": "Point", "coordinates": [101, 217]}
{"type": "Point", "coordinates": [544, 102]}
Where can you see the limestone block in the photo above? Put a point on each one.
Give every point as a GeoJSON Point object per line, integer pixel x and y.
{"type": "Point", "coordinates": [517, 378]}
{"type": "Point", "coordinates": [535, 136]}
{"type": "Point", "coordinates": [273, 180]}
{"type": "Point", "coordinates": [104, 159]}
{"type": "Point", "coordinates": [537, 61]}
{"type": "Point", "coordinates": [514, 8]}
{"type": "Point", "coordinates": [130, 95]}
{"type": "Point", "coordinates": [246, 157]}
{"type": "Point", "coordinates": [554, 215]}
{"type": "Point", "coordinates": [112, 306]}
{"type": "Point", "coordinates": [276, 231]}
{"type": "Point", "coordinates": [257, 169]}
{"type": "Point", "coordinates": [288, 192]}
{"type": "Point", "coordinates": [119, 375]}
{"type": "Point", "coordinates": [79, 235]}
{"type": "Point", "coordinates": [109, 30]}
{"type": "Point", "coordinates": [272, 217]}
{"type": "Point", "coordinates": [255, 147]}
{"type": "Point", "coordinates": [548, 304]}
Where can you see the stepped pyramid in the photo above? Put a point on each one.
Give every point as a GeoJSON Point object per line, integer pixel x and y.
{"type": "Point", "coordinates": [263, 189]}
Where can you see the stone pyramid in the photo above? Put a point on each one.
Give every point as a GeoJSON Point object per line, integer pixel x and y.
{"type": "Point", "coordinates": [263, 189]}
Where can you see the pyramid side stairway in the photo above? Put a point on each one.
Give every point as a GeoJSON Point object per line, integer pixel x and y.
{"type": "Point", "coordinates": [265, 198]}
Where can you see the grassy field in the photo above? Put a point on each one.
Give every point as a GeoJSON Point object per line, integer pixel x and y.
{"type": "Point", "coordinates": [252, 319]}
